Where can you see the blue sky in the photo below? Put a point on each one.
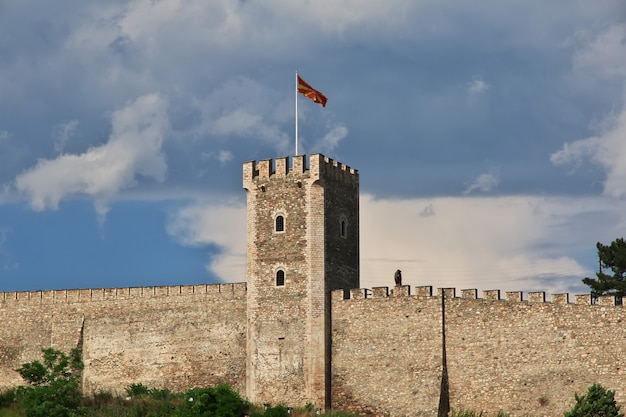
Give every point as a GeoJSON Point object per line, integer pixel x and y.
{"type": "Point", "coordinates": [490, 136]}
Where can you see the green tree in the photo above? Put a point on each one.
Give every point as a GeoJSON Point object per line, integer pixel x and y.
{"type": "Point", "coordinates": [598, 402]}
{"type": "Point", "coordinates": [54, 389]}
{"type": "Point", "coordinates": [611, 257]}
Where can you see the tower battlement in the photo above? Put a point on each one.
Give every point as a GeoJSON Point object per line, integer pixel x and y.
{"type": "Point", "coordinates": [319, 166]}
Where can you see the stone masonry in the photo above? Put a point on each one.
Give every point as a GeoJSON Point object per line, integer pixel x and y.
{"type": "Point", "coordinates": [301, 331]}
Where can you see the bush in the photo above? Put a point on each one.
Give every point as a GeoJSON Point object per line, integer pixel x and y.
{"type": "Point", "coordinates": [8, 398]}
{"type": "Point", "coordinates": [219, 401]}
{"type": "Point", "coordinates": [598, 402]}
{"type": "Point", "coordinates": [137, 390]}
{"type": "Point", "coordinates": [277, 411]}
{"type": "Point", "coordinates": [53, 389]}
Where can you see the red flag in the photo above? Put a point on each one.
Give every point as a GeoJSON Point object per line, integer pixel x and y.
{"type": "Point", "coordinates": [310, 92]}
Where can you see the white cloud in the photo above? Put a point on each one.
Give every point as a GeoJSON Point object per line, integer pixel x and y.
{"type": "Point", "coordinates": [221, 156]}
{"type": "Point", "coordinates": [62, 133]}
{"type": "Point", "coordinates": [239, 109]}
{"type": "Point", "coordinates": [331, 140]}
{"type": "Point", "coordinates": [604, 55]}
{"type": "Point", "coordinates": [485, 182]}
{"type": "Point", "coordinates": [477, 87]}
{"type": "Point", "coordinates": [223, 225]}
{"type": "Point", "coordinates": [133, 149]}
{"type": "Point", "coordinates": [608, 149]}
{"type": "Point", "coordinates": [523, 243]}
{"type": "Point", "coordinates": [509, 243]}
{"type": "Point", "coordinates": [225, 24]}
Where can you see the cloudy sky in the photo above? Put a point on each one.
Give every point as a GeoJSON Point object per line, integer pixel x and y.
{"type": "Point", "coordinates": [490, 135]}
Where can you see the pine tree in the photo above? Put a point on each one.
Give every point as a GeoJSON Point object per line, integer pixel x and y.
{"type": "Point", "coordinates": [611, 257]}
{"type": "Point", "coordinates": [598, 402]}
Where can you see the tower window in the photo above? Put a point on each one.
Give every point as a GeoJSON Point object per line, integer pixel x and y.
{"type": "Point", "coordinates": [343, 227]}
{"type": "Point", "coordinates": [280, 223]}
{"type": "Point", "coordinates": [280, 278]}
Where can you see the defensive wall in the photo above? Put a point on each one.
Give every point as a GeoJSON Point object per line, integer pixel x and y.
{"type": "Point", "coordinates": [526, 357]}
{"type": "Point", "coordinates": [172, 337]}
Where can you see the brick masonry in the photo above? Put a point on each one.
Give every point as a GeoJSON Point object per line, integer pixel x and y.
{"type": "Point", "coordinates": [376, 352]}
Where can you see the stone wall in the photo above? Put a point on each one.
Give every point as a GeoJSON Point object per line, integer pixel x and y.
{"type": "Point", "coordinates": [522, 357]}
{"type": "Point", "coordinates": [527, 358]}
{"type": "Point", "coordinates": [165, 337]}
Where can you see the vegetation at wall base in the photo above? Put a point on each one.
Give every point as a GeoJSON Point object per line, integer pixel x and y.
{"type": "Point", "coordinates": [598, 402]}
{"type": "Point", "coordinates": [53, 386]}
{"type": "Point", "coordinates": [141, 401]}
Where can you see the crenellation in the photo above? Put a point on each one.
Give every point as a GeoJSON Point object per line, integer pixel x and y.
{"type": "Point", "coordinates": [338, 295]}
{"type": "Point", "coordinates": [583, 299]}
{"type": "Point", "coordinates": [537, 297]}
{"type": "Point", "coordinates": [446, 292]}
{"type": "Point", "coordinates": [560, 298]}
{"type": "Point", "coordinates": [401, 291]}
{"type": "Point", "coordinates": [469, 294]}
{"type": "Point", "coordinates": [358, 293]}
{"type": "Point", "coordinates": [282, 167]}
{"type": "Point", "coordinates": [47, 296]}
{"type": "Point", "coordinates": [200, 289]}
{"type": "Point", "coordinates": [161, 291]}
{"type": "Point", "coordinates": [233, 290]}
{"type": "Point", "coordinates": [236, 290]}
{"type": "Point", "coordinates": [85, 295]}
{"type": "Point", "coordinates": [135, 292]}
{"type": "Point", "coordinates": [213, 290]}
{"type": "Point", "coordinates": [122, 293]}
{"type": "Point", "coordinates": [514, 296]}
{"type": "Point", "coordinates": [424, 291]}
{"type": "Point", "coordinates": [23, 295]}
{"type": "Point", "coordinates": [380, 292]}
{"type": "Point", "coordinates": [607, 300]}
{"type": "Point", "coordinates": [97, 294]}
{"type": "Point", "coordinates": [491, 294]}
{"type": "Point", "coordinates": [265, 168]}
{"type": "Point", "coordinates": [299, 165]}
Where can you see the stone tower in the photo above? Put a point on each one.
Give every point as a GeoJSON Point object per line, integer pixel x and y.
{"type": "Point", "coordinates": [303, 242]}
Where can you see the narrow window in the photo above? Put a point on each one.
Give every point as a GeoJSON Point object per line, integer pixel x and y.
{"type": "Point", "coordinates": [280, 223]}
{"type": "Point", "coordinates": [280, 278]}
{"type": "Point", "coordinates": [343, 227]}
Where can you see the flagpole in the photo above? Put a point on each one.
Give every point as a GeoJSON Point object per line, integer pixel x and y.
{"type": "Point", "coordinates": [296, 113]}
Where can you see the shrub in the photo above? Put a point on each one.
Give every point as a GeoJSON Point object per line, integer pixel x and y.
{"type": "Point", "coordinates": [598, 402]}
{"type": "Point", "coordinates": [137, 390]}
{"type": "Point", "coordinates": [53, 389]}
{"type": "Point", "coordinates": [8, 398]}
{"type": "Point", "coordinates": [219, 401]}
{"type": "Point", "coordinates": [277, 411]}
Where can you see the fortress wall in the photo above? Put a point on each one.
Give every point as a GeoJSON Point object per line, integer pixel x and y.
{"type": "Point", "coordinates": [386, 353]}
{"type": "Point", "coordinates": [166, 337]}
{"type": "Point", "coordinates": [522, 357]}
{"type": "Point", "coordinates": [528, 357]}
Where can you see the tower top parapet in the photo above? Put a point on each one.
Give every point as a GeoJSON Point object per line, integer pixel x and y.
{"type": "Point", "coordinates": [319, 166]}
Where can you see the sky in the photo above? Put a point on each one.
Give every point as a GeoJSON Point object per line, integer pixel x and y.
{"type": "Point", "coordinates": [489, 135]}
